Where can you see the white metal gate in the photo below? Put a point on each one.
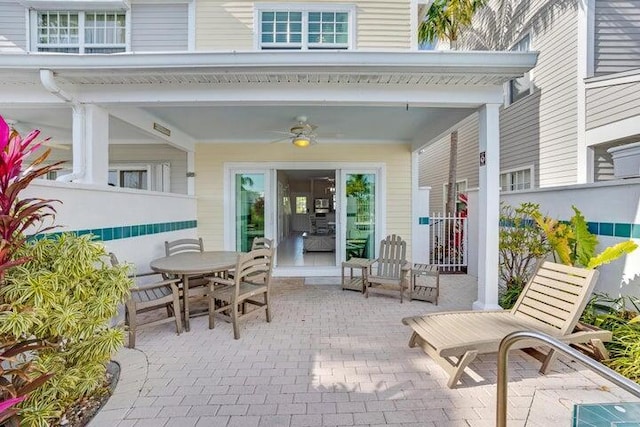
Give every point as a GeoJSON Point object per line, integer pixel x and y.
{"type": "Point", "coordinates": [448, 237]}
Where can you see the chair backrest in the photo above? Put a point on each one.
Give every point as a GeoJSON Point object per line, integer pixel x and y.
{"type": "Point", "coordinates": [393, 252]}
{"type": "Point", "coordinates": [183, 245]}
{"type": "Point", "coordinates": [254, 267]}
{"type": "Point", "coordinates": [556, 295]}
{"type": "Point", "coordinates": [261, 243]}
{"type": "Point", "coordinates": [322, 225]}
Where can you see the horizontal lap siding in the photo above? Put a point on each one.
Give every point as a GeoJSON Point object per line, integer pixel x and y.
{"type": "Point", "coordinates": [13, 27]}
{"type": "Point", "coordinates": [434, 162]}
{"type": "Point", "coordinates": [541, 129]}
{"type": "Point", "coordinates": [603, 170]}
{"type": "Point", "coordinates": [229, 25]}
{"type": "Point", "coordinates": [159, 27]}
{"type": "Point", "coordinates": [210, 159]}
{"type": "Point", "coordinates": [612, 103]}
{"type": "Point", "coordinates": [617, 36]}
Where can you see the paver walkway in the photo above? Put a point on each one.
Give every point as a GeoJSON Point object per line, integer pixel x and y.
{"type": "Point", "coordinates": [330, 358]}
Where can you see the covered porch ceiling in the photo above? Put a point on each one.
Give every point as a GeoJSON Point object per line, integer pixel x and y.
{"type": "Point", "coordinates": [255, 97]}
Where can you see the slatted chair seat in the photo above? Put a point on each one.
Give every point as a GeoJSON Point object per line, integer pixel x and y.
{"type": "Point", "coordinates": [390, 269]}
{"type": "Point", "coordinates": [551, 303]}
{"type": "Point", "coordinates": [144, 298]}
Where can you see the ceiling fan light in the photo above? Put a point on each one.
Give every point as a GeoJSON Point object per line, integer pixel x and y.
{"type": "Point", "coordinates": [301, 141]}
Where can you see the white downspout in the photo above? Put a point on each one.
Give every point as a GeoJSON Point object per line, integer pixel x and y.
{"type": "Point", "coordinates": [48, 80]}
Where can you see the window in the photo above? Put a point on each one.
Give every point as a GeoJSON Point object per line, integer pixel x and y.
{"type": "Point", "coordinates": [301, 204]}
{"type": "Point", "coordinates": [516, 180]}
{"type": "Point", "coordinates": [130, 177]}
{"type": "Point", "coordinates": [80, 32]}
{"type": "Point", "coordinates": [520, 87]}
{"type": "Point", "coordinates": [461, 188]}
{"type": "Point", "coordinates": [301, 29]}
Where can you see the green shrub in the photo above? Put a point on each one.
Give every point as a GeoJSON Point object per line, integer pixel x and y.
{"type": "Point", "coordinates": [522, 245]}
{"type": "Point", "coordinates": [621, 317]}
{"type": "Point", "coordinates": [66, 293]}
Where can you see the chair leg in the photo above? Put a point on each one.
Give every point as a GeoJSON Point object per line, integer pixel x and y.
{"type": "Point", "coordinates": [212, 311]}
{"type": "Point", "coordinates": [548, 361]}
{"type": "Point", "coordinates": [267, 309]}
{"type": "Point", "coordinates": [176, 312]}
{"type": "Point", "coordinates": [131, 314]}
{"type": "Point", "coordinates": [234, 320]}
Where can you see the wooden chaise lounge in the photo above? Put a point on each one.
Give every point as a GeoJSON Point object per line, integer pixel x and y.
{"type": "Point", "coordinates": [551, 303]}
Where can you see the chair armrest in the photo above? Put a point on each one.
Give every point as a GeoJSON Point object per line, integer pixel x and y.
{"type": "Point", "coordinates": [221, 281]}
{"type": "Point", "coordinates": [147, 274]}
{"type": "Point", "coordinates": [156, 285]}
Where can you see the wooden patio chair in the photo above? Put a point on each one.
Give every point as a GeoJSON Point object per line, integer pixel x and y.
{"type": "Point", "coordinates": [390, 269]}
{"type": "Point", "coordinates": [551, 303]}
{"type": "Point", "coordinates": [228, 297]}
{"type": "Point", "coordinates": [159, 295]}
{"type": "Point", "coordinates": [183, 245]}
{"type": "Point", "coordinates": [261, 243]}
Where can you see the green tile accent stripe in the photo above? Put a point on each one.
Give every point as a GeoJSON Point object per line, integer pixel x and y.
{"type": "Point", "coordinates": [127, 231]}
{"type": "Point", "coordinates": [623, 230]}
{"type": "Point", "coordinates": [423, 220]}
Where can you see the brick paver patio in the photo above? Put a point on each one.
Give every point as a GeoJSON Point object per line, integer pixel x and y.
{"type": "Point", "coordinates": [331, 358]}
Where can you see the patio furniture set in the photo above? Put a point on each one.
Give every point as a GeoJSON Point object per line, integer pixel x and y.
{"type": "Point", "coordinates": [229, 280]}
{"type": "Point", "coordinates": [551, 303]}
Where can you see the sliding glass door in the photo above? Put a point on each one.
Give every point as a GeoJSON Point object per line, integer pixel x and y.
{"type": "Point", "coordinates": [360, 224]}
{"type": "Point", "coordinates": [250, 192]}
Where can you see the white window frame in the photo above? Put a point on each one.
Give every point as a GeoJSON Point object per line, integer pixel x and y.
{"type": "Point", "coordinates": [81, 45]}
{"type": "Point", "coordinates": [445, 192]}
{"type": "Point", "coordinates": [120, 167]}
{"type": "Point", "coordinates": [529, 74]}
{"type": "Point", "coordinates": [512, 171]}
{"type": "Point", "coordinates": [304, 8]}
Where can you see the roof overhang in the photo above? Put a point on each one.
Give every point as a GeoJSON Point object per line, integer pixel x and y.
{"type": "Point", "coordinates": [448, 68]}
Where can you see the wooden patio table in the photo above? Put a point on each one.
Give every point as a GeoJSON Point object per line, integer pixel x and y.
{"type": "Point", "coordinates": [187, 264]}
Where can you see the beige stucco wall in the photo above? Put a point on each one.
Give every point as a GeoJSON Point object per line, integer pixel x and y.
{"type": "Point", "coordinates": [228, 25]}
{"type": "Point", "coordinates": [210, 160]}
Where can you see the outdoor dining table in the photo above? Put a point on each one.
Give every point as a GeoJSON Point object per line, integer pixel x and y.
{"type": "Point", "coordinates": [188, 264]}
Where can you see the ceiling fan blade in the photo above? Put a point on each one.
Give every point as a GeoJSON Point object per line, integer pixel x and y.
{"type": "Point", "coordinates": [280, 140]}
{"type": "Point", "coordinates": [282, 132]}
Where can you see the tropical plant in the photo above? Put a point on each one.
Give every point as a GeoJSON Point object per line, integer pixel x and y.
{"type": "Point", "coordinates": [522, 246]}
{"type": "Point", "coordinates": [446, 18]}
{"type": "Point", "coordinates": [621, 316]}
{"type": "Point", "coordinates": [573, 243]}
{"type": "Point", "coordinates": [66, 292]}
{"type": "Point", "coordinates": [18, 375]}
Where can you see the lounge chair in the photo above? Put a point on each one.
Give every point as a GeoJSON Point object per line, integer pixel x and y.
{"type": "Point", "coordinates": [551, 303]}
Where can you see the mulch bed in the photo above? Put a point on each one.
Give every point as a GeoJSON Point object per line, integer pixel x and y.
{"type": "Point", "coordinates": [81, 412]}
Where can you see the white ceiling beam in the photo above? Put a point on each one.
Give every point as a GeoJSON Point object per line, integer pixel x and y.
{"type": "Point", "coordinates": [145, 122]}
{"type": "Point", "coordinates": [291, 94]}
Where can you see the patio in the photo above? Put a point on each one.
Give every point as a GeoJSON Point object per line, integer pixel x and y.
{"type": "Point", "coordinates": [330, 357]}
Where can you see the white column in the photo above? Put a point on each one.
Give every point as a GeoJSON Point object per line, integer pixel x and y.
{"type": "Point", "coordinates": [488, 207]}
{"type": "Point", "coordinates": [96, 144]}
{"type": "Point", "coordinates": [420, 237]}
{"type": "Point", "coordinates": [191, 174]}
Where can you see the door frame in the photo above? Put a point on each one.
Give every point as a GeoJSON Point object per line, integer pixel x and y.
{"type": "Point", "coordinates": [270, 169]}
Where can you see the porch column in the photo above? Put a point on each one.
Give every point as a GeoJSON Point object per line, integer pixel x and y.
{"type": "Point", "coordinates": [419, 215]}
{"type": "Point", "coordinates": [90, 145]}
{"type": "Point", "coordinates": [191, 174]}
{"type": "Point", "coordinates": [488, 207]}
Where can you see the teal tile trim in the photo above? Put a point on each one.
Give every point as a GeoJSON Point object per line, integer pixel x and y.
{"type": "Point", "coordinates": [622, 230]}
{"type": "Point", "coordinates": [423, 220]}
{"type": "Point", "coordinates": [126, 231]}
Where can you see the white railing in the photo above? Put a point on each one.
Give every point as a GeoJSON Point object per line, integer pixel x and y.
{"type": "Point", "coordinates": [448, 237]}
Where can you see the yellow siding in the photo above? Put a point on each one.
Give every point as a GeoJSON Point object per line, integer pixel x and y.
{"type": "Point", "coordinates": [210, 160]}
{"type": "Point", "coordinates": [229, 25]}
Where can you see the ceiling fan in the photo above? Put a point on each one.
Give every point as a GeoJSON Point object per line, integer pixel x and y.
{"type": "Point", "coordinates": [24, 128]}
{"type": "Point", "coordinates": [302, 134]}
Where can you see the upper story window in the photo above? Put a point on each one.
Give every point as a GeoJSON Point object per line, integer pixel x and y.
{"type": "Point", "coordinates": [305, 29]}
{"type": "Point", "coordinates": [520, 87]}
{"type": "Point", "coordinates": [516, 180]}
{"type": "Point", "coordinates": [81, 32]}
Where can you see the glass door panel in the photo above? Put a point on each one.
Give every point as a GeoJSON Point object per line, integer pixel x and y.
{"type": "Point", "coordinates": [360, 191]}
{"type": "Point", "coordinates": [250, 212]}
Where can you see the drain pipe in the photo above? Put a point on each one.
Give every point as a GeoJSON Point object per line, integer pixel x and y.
{"type": "Point", "coordinates": [79, 125]}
